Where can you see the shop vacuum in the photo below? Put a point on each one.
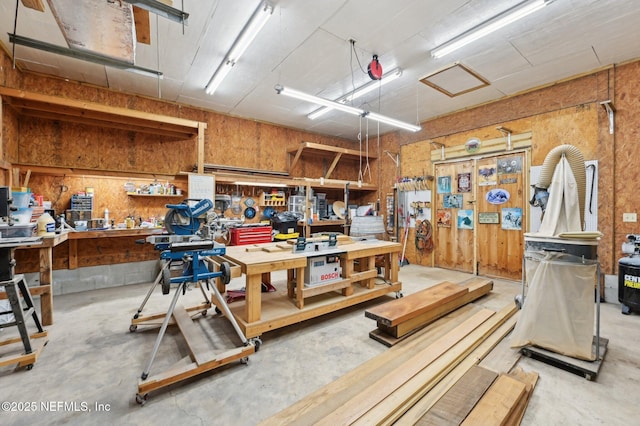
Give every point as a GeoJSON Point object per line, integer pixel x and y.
{"type": "Point", "coordinates": [629, 275]}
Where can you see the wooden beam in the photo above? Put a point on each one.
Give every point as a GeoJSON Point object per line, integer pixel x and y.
{"type": "Point", "coordinates": [38, 101]}
{"type": "Point", "coordinates": [476, 289]}
{"type": "Point", "coordinates": [200, 147]}
{"type": "Point", "coordinates": [400, 310]}
{"type": "Point", "coordinates": [141, 22]}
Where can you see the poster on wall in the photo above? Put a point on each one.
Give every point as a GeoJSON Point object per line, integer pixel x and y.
{"type": "Point", "coordinates": [510, 165]}
{"type": "Point", "coordinates": [464, 182]}
{"type": "Point", "coordinates": [512, 218]}
{"type": "Point", "coordinates": [498, 196]}
{"type": "Point", "coordinates": [489, 217]}
{"type": "Point", "coordinates": [487, 175]}
{"type": "Point", "coordinates": [452, 201]}
{"type": "Point", "coordinates": [444, 185]}
{"type": "Point", "coordinates": [444, 218]}
{"type": "Point", "coordinates": [465, 219]}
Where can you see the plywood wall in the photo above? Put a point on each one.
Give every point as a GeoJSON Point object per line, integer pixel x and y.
{"type": "Point", "coordinates": [569, 112]}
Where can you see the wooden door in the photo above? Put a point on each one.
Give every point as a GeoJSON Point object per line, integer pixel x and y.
{"type": "Point", "coordinates": [501, 195]}
{"type": "Point", "coordinates": [480, 215]}
{"type": "Point", "coordinates": [454, 235]}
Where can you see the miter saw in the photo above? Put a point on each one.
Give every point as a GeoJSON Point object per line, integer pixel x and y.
{"type": "Point", "coordinates": [188, 259]}
{"type": "Point", "coordinates": [199, 219]}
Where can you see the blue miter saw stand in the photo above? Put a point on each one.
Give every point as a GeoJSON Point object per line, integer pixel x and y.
{"type": "Point", "coordinates": [184, 244]}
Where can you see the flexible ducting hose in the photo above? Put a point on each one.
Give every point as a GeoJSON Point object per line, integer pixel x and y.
{"type": "Point", "coordinates": [576, 162]}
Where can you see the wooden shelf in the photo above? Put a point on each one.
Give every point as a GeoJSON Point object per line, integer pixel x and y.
{"type": "Point", "coordinates": [333, 152]}
{"type": "Point", "coordinates": [133, 194]}
{"type": "Point", "coordinates": [57, 108]}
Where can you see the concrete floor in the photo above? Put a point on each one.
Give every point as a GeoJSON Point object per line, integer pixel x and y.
{"type": "Point", "coordinates": [92, 364]}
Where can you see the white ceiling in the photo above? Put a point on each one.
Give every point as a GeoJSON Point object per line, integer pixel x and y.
{"type": "Point", "coordinates": [305, 45]}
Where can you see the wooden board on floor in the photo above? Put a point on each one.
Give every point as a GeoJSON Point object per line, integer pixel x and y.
{"type": "Point", "coordinates": [424, 404]}
{"type": "Point", "coordinates": [529, 379]}
{"type": "Point", "coordinates": [314, 406]}
{"type": "Point", "coordinates": [497, 404]}
{"type": "Point", "coordinates": [390, 336]}
{"type": "Point", "coordinates": [458, 402]}
{"type": "Point", "coordinates": [356, 407]}
{"type": "Point", "coordinates": [397, 311]}
{"type": "Point", "coordinates": [399, 402]}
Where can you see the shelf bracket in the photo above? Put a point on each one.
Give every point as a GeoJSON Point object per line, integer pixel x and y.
{"type": "Point", "coordinates": [608, 106]}
{"type": "Point", "coordinates": [394, 156]}
{"type": "Point", "coordinates": [506, 131]}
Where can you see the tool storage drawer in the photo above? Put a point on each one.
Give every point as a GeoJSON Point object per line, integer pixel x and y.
{"type": "Point", "coordinates": [250, 235]}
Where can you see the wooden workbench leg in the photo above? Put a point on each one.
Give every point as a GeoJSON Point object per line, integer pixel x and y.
{"type": "Point", "coordinates": [369, 264]}
{"type": "Point", "coordinates": [73, 254]}
{"type": "Point", "coordinates": [253, 298]}
{"type": "Point", "coordinates": [300, 288]}
{"type": "Point", "coordinates": [387, 267]}
{"type": "Point", "coordinates": [46, 278]}
{"type": "Point", "coordinates": [266, 278]}
{"type": "Point", "coordinates": [290, 283]}
{"type": "Point", "coordinates": [393, 277]}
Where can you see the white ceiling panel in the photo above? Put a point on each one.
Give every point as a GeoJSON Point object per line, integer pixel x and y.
{"type": "Point", "coordinates": [305, 45]}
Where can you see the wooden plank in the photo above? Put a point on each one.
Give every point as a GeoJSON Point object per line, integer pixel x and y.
{"type": "Point", "coordinates": [502, 358]}
{"type": "Point", "coordinates": [356, 407]}
{"type": "Point", "coordinates": [458, 402]}
{"type": "Point", "coordinates": [400, 310]}
{"type": "Point", "coordinates": [333, 165]}
{"type": "Point", "coordinates": [424, 404]}
{"type": "Point", "coordinates": [141, 21]}
{"type": "Point", "coordinates": [183, 371]}
{"type": "Point", "coordinates": [475, 291]}
{"type": "Point", "coordinates": [529, 379]}
{"type": "Point", "coordinates": [498, 403]}
{"type": "Point", "coordinates": [396, 404]}
{"type": "Point", "coordinates": [15, 352]}
{"type": "Point", "coordinates": [198, 345]}
{"type": "Point", "coordinates": [359, 380]}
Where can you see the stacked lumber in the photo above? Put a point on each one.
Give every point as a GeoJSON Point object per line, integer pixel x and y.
{"type": "Point", "coordinates": [398, 319]}
{"type": "Point", "coordinates": [483, 397]}
{"type": "Point", "coordinates": [381, 390]}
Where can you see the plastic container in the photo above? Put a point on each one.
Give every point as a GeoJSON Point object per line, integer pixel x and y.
{"type": "Point", "coordinates": [46, 225]}
{"type": "Point", "coordinates": [21, 199]}
{"type": "Point", "coordinates": [22, 216]}
{"type": "Point", "coordinates": [17, 231]}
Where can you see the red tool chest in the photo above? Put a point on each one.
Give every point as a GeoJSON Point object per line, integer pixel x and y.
{"type": "Point", "coordinates": [250, 235]}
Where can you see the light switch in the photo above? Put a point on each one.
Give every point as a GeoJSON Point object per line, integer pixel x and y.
{"type": "Point", "coordinates": [629, 217]}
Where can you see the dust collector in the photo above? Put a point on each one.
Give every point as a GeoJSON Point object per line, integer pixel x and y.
{"type": "Point", "coordinates": [560, 263]}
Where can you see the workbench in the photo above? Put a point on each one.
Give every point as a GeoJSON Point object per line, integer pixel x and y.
{"type": "Point", "coordinates": [262, 312]}
{"type": "Point", "coordinates": [45, 289]}
{"type": "Point", "coordinates": [43, 262]}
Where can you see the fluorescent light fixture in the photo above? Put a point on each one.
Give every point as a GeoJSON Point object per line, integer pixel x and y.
{"type": "Point", "coordinates": [359, 92]}
{"type": "Point", "coordinates": [96, 58]}
{"type": "Point", "coordinates": [159, 8]}
{"type": "Point", "coordinates": [253, 26]}
{"type": "Point", "coordinates": [292, 93]}
{"type": "Point", "coordinates": [281, 90]}
{"type": "Point", "coordinates": [393, 122]}
{"type": "Point", "coordinates": [503, 19]}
